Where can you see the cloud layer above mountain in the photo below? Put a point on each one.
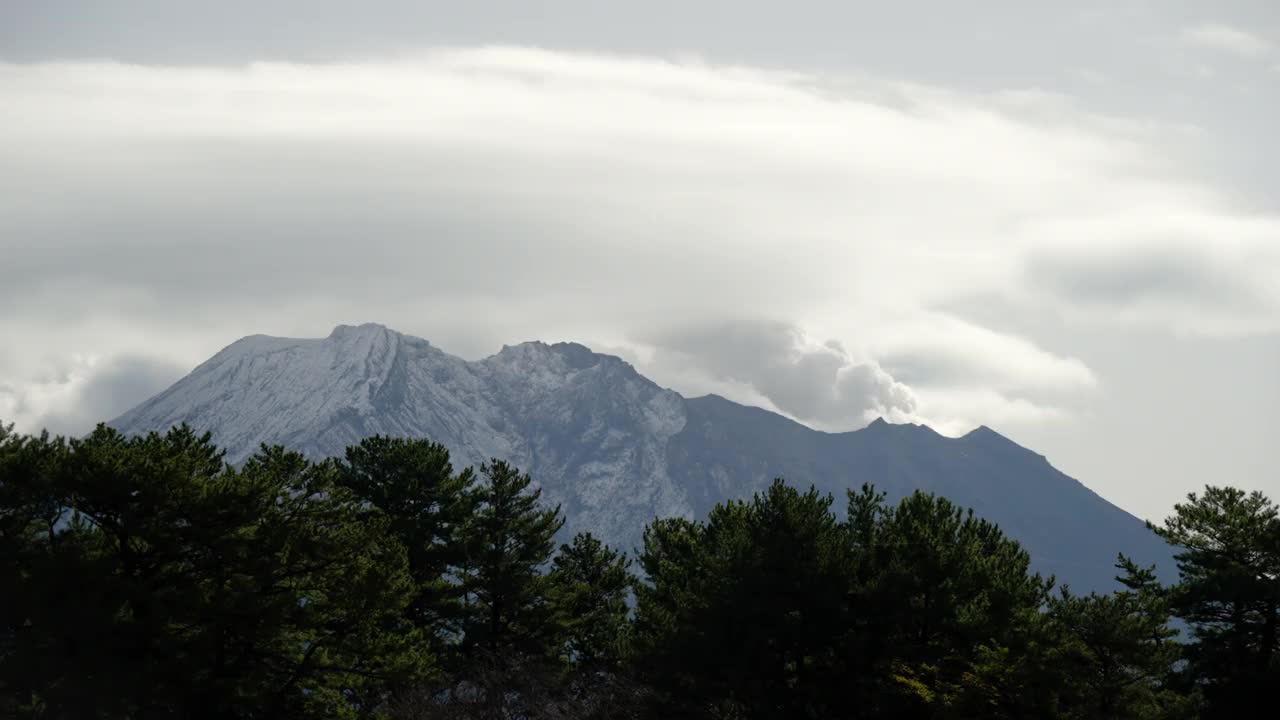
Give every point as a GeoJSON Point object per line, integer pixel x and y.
{"type": "Point", "coordinates": [806, 241]}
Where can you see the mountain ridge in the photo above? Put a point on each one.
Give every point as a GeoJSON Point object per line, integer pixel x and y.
{"type": "Point", "coordinates": [614, 448]}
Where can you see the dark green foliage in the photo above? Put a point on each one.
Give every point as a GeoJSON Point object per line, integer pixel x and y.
{"type": "Point", "coordinates": [1117, 651]}
{"type": "Point", "coordinates": [953, 611]}
{"type": "Point", "coordinates": [775, 608]}
{"type": "Point", "coordinates": [589, 586]}
{"type": "Point", "coordinates": [508, 542]}
{"type": "Point", "coordinates": [427, 506]}
{"type": "Point", "coordinates": [149, 579]}
{"type": "Point", "coordinates": [506, 662]}
{"type": "Point", "coordinates": [343, 585]}
{"type": "Point", "coordinates": [1229, 557]}
{"type": "Point", "coordinates": [145, 578]}
{"type": "Point", "coordinates": [742, 609]}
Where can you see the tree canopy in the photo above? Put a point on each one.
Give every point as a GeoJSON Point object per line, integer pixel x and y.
{"type": "Point", "coordinates": [146, 578]}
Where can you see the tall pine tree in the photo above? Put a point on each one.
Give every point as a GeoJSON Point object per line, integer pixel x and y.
{"type": "Point", "coordinates": [1116, 652]}
{"type": "Point", "coordinates": [428, 506]}
{"type": "Point", "coordinates": [1228, 544]}
{"type": "Point", "coordinates": [509, 540]}
{"type": "Point", "coordinates": [741, 613]}
{"type": "Point", "coordinates": [589, 587]}
{"type": "Point", "coordinates": [146, 578]}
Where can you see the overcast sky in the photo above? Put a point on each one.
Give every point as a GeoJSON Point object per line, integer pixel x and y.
{"type": "Point", "coordinates": [1057, 219]}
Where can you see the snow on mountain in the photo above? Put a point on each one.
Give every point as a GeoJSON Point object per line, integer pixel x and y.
{"type": "Point", "coordinates": [613, 448]}
{"type": "Point", "coordinates": [593, 430]}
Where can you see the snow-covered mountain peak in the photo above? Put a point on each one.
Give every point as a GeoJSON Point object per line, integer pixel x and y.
{"type": "Point", "coordinates": [543, 407]}
{"type": "Point", "coordinates": [251, 346]}
{"type": "Point", "coordinates": [361, 329]}
{"type": "Point", "coordinates": [613, 448]}
{"type": "Point", "coordinates": [537, 367]}
{"type": "Point", "coordinates": [564, 354]}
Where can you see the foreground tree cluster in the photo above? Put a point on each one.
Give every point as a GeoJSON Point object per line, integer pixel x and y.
{"type": "Point", "coordinates": [144, 577]}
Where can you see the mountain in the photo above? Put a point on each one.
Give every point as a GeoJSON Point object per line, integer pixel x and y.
{"type": "Point", "coordinates": [615, 449]}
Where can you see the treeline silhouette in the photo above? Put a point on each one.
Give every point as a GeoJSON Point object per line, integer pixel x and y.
{"type": "Point", "coordinates": [144, 577]}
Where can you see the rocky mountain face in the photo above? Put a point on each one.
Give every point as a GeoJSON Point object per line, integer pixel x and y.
{"type": "Point", "coordinates": [613, 448]}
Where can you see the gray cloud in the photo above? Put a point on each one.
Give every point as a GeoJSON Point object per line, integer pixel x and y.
{"type": "Point", "coordinates": [567, 196]}
{"type": "Point", "coordinates": [850, 179]}
{"type": "Point", "coordinates": [1225, 38]}
{"type": "Point", "coordinates": [1137, 276]}
{"type": "Point", "coordinates": [818, 383]}
{"type": "Point", "coordinates": [1227, 286]}
{"type": "Point", "coordinates": [1123, 58]}
{"type": "Point", "coordinates": [76, 398]}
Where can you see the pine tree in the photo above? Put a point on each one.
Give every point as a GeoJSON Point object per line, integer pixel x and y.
{"type": "Point", "coordinates": [954, 610]}
{"type": "Point", "coordinates": [41, 606]}
{"type": "Point", "coordinates": [153, 580]}
{"type": "Point", "coordinates": [1229, 556]}
{"type": "Point", "coordinates": [589, 586]}
{"type": "Point", "coordinates": [509, 541]}
{"type": "Point", "coordinates": [1117, 651]}
{"type": "Point", "coordinates": [413, 484]}
{"type": "Point", "coordinates": [743, 610]}
{"type": "Point", "coordinates": [337, 584]}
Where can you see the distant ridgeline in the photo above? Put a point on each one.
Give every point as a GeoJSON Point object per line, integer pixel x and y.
{"type": "Point", "coordinates": [615, 450]}
{"type": "Point", "coordinates": [145, 577]}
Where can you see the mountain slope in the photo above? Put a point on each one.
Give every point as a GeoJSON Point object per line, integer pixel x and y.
{"type": "Point", "coordinates": [615, 449]}
{"type": "Point", "coordinates": [729, 450]}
